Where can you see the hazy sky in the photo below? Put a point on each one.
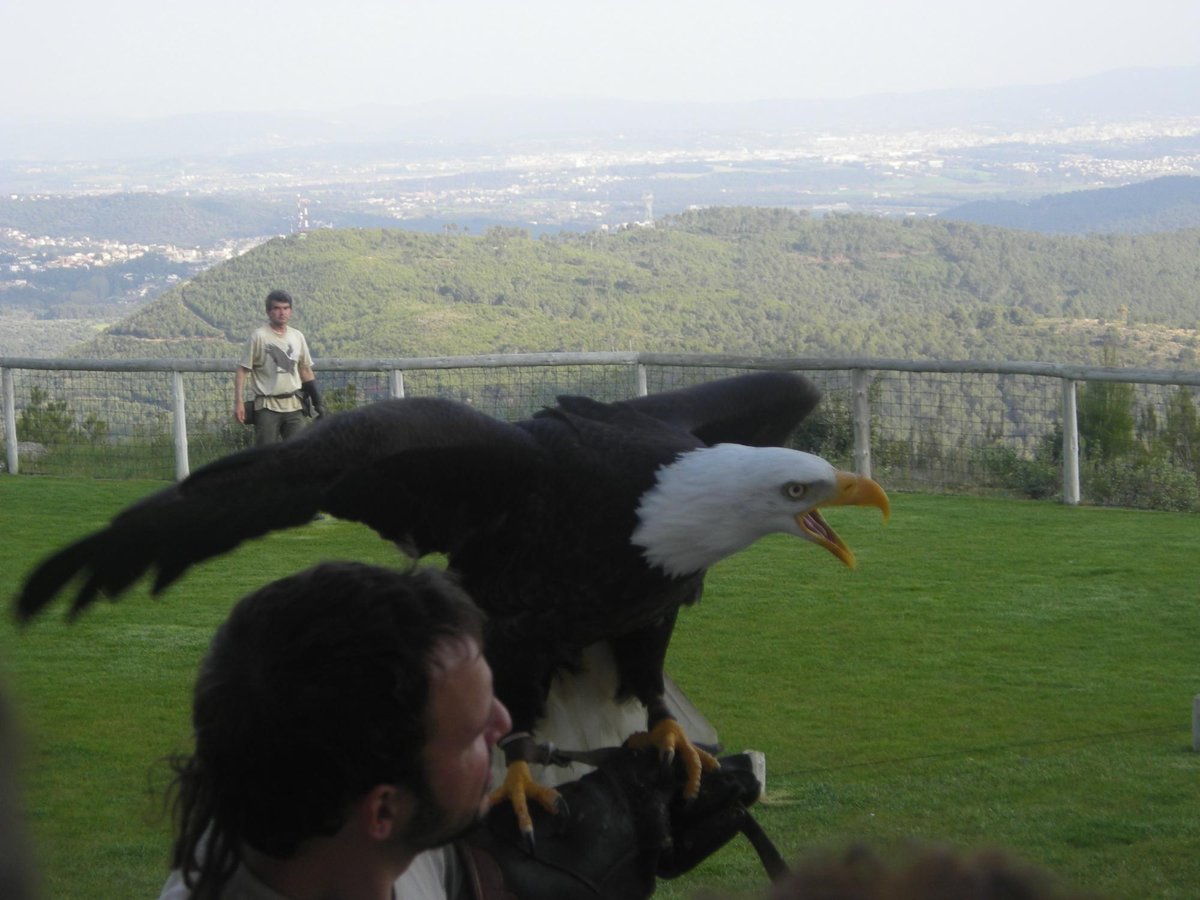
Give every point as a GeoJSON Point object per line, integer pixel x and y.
{"type": "Point", "coordinates": [62, 59]}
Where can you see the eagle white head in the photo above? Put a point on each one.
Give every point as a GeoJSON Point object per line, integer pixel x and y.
{"type": "Point", "coordinates": [712, 502]}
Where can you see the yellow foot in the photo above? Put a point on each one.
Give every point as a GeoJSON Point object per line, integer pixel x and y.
{"type": "Point", "coordinates": [517, 788]}
{"type": "Point", "coordinates": [669, 739]}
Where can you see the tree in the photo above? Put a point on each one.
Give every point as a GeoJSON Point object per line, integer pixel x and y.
{"type": "Point", "coordinates": [1181, 433]}
{"type": "Point", "coordinates": [43, 420]}
{"type": "Point", "coordinates": [1106, 416]}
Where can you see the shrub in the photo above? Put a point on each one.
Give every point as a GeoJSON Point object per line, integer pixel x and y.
{"type": "Point", "coordinates": [1002, 467]}
{"type": "Point", "coordinates": [1150, 484]}
{"type": "Point", "coordinates": [44, 421]}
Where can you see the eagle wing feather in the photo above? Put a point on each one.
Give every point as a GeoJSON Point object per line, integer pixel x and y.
{"type": "Point", "coordinates": [420, 471]}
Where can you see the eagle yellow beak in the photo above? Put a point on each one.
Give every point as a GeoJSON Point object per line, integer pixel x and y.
{"type": "Point", "coordinates": [851, 490]}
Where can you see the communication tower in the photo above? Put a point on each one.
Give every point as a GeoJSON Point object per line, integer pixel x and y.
{"type": "Point", "coordinates": [301, 214]}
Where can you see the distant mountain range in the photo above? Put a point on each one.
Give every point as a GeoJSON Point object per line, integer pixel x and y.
{"type": "Point", "coordinates": [469, 125]}
{"type": "Point", "coordinates": [1161, 204]}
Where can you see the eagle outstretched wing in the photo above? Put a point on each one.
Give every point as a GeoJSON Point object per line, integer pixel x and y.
{"type": "Point", "coordinates": [422, 472]}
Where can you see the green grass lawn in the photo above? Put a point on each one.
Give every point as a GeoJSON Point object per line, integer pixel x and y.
{"type": "Point", "coordinates": [993, 673]}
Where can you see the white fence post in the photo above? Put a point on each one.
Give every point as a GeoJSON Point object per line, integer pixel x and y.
{"type": "Point", "coordinates": [179, 409]}
{"type": "Point", "coordinates": [1070, 444]}
{"type": "Point", "coordinates": [397, 384]}
{"type": "Point", "coordinates": [10, 422]}
{"type": "Point", "coordinates": [641, 380]}
{"type": "Point", "coordinates": [860, 387]}
{"type": "Point", "coordinates": [1196, 723]}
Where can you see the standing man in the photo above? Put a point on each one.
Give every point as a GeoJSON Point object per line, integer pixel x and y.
{"type": "Point", "coordinates": [344, 722]}
{"type": "Point", "coordinates": [280, 369]}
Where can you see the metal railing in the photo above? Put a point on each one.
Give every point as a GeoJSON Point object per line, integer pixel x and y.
{"type": "Point", "coordinates": [929, 424]}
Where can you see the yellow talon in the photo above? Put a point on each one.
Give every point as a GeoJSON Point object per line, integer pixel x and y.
{"type": "Point", "coordinates": [518, 786]}
{"type": "Point", "coordinates": [668, 738]}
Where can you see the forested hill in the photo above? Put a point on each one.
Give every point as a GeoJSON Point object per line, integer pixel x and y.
{"type": "Point", "coordinates": [1161, 204]}
{"type": "Point", "coordinates": [152, 218]}
{"type": "Point", "coordinates": [737, 280]}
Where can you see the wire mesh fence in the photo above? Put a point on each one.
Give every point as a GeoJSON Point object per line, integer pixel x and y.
{"type": "Point", "coordinates": [939, 427]}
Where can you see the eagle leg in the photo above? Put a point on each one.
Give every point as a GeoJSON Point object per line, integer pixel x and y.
{"type": "Point", "coordinates": [668, 738]}
{"type": "Point", "coordinates": [519, 785]}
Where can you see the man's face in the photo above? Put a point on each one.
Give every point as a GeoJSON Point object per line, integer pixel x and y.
{"type": "Point", "coordinates": [466, 720]}
{"type": "Point", "coordinates": [279, 313]}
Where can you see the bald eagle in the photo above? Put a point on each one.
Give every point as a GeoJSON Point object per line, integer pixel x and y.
{"type": "Point", "coordinates": [588, 524]}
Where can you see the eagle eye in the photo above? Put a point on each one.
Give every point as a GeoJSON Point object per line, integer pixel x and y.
{"type": "Point", "coordinates": [795, 490]}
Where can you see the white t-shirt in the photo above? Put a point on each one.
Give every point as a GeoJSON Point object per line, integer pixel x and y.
{"type": "Point", "coordinates": [274, 361]}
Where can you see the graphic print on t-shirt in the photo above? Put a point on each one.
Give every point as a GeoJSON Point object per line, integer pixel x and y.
{"type": "Point", "coordinates": [283, 359]}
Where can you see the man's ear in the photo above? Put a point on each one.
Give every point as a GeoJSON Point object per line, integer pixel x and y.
{"type": "Point", "coordinates": [385, 810]}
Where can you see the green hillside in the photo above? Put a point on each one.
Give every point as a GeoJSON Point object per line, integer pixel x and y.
{"type": "Point", "coordinates": [145, 217]}
{"type": "Point", "coordinates": [734, 280]}
{"type": "Point", "coordinates": [1161, 204]}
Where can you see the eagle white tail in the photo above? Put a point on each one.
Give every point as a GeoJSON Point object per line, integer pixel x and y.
{"type": "Point", "coordinates": [581, 714]}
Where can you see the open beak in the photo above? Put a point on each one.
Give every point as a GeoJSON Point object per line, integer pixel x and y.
{"type": "Point", "coordinates": [851, 490]}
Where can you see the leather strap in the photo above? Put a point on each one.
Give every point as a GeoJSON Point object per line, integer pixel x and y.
{"type": "Point", "coordinates": [483, 874]}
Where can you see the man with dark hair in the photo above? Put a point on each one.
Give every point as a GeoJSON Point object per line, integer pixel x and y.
{"type": "Point", "coordinates": [280, 369]}
{"type": "Point", "coordinates": [344, 722]}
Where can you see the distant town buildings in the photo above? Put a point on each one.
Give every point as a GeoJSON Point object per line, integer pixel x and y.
{"type": "Point", "coordinates": [37, 253]}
